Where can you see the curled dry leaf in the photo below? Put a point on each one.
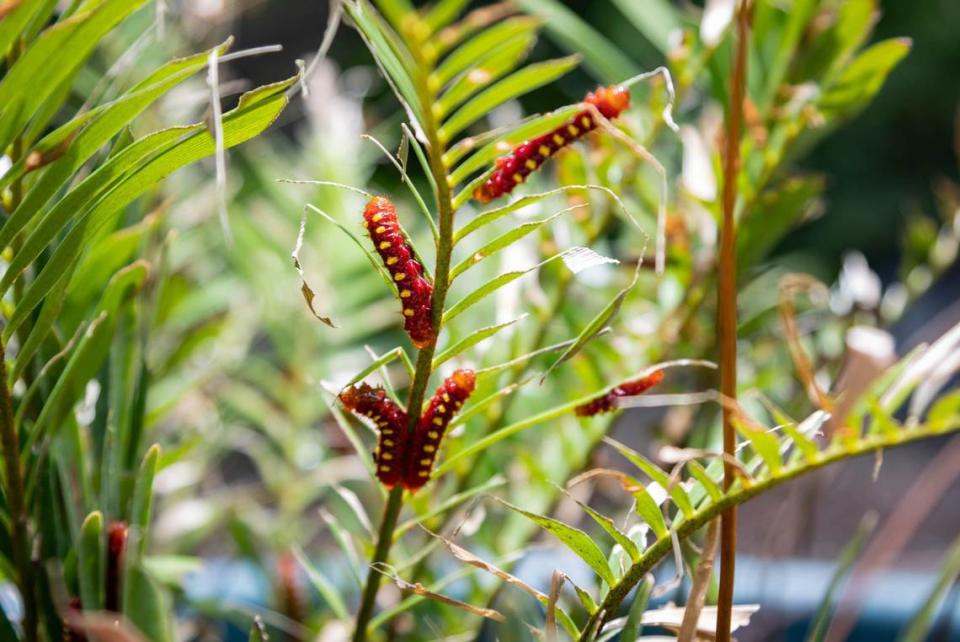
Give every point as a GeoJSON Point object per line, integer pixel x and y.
{"type": "Point", "coordinates": [467, 557]}
{"type": "Point", "coordinates": [305, 289]}
{"type": "Point", "coordinates": [419, 589]}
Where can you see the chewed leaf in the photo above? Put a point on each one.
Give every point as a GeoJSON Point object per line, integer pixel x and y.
{"type": "Point", "coordinates": [305, 289]}
{"type": "Point", "coordinates": [419, 589]}
{"type": "Point", "coordinates": [578, 259]}
{"type": "Point", "coordinates": [575, 539]}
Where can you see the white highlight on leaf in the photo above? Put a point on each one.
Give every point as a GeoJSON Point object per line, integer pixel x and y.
{"type": "Point", "coordinates": [934, 370]}
{"type": "Point", "coordinates": [697, 175]}
{"type": "Point", "coordinates": [927, 362]}
{"type": "Point", "coordinates": [160, 18]}
{"type": "Point", "coordinates": [577, 259]}
{"type": "Point", "coordinates": [213, 81]}
{"type": "Point", "coordinates": [5, 165]}
{"type": "Point", "coordinates": [671, 617]}
{"type": "Point", "coordinates": [717, 16]}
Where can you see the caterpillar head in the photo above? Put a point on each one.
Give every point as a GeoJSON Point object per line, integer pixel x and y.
{"type": "Point", "coordinates": [611, 101]}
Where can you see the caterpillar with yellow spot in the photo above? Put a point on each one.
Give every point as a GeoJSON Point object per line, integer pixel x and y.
{"type": "Point", "coordinates": [608, 402]}
{"type": "Point", "coordinates": [415, 290]}
{"type": "Point", "coordinates": [391, 420]}
{"type": "Point", "coordinates": [446, 402]}
{"type": "Point", "coordinates": [526, 158]}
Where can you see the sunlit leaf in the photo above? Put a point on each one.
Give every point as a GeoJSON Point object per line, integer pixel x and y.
{"type": "Point", "coordinates": [575, 539]}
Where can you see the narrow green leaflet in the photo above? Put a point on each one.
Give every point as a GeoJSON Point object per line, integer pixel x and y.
{"type": "Point", "coordinates": [764, 444]}
{"type": "Point", "coordinates": [443, 13]}
{"type": "Point", "coordinates": [568, 29]}
{"type": "Point", "coordinates": [326, 588]}
{"type": "Point", "coordinates": [920, 625]}
{"type": "Point", "coordinates": [655, 19]}
{"type": "Point", "coordinates": [385, 55]}
{"type": "Point", "coordinates": [143, 496]}
{"type": "Point", "coordinates": [95, 129]}
{"type": "Point", "coordinates": [254, 113]}
{"type": "Point", "coordinates": [469, 341]}
{"type": "Point", "coordinates": [90, 352]}
{"type": "Point", "coordinates": [486, 71]}
{"type": "Point", "coordinates": [90, 562]}
{"type": "Point", "coordinates": [81, 197]}
{"type": "Point", "coordinates": [482, 292]}
{"type": "Point", "coordinates": [503, 241]}
{"type": "Point", "coordinates": [43, 67]}
{"type": "Point", "coordinates": [860, 81]}
{"type": "Point", "coordinates": [848, 556]}
{"type": "Point", "coordinates": [514, 85]}
{"type": "Point", "coordinates": [611, 529]}
{"type": "Point", "coordinates": [656, 474]}
{"type": "Point", "coordinates": [597, 324]}
{"type": "Point", "coordinates": [698, 472]}
{"type": "Point", "coordinates": [575, 539]}
{"type": "Point", "coordinates": [647, 509]}
{"type": "Point", "coordinates": [15, 22]}
{"type": "Point", "coordinates": [488, 41]}
{"type": "Point", "coordinates": [146, 606]}
{"type": "Point", "coordinates": [633, 626]}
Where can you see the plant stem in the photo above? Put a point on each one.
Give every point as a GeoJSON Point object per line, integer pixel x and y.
{"type": "Point", "coordinates": [727, 318]}
{"type": "Point", "coordinates": [424, 365]}
{"type": "Point", "coordinates": [15, 500]}
{"type": "Point", "coordinates": [662, 547]}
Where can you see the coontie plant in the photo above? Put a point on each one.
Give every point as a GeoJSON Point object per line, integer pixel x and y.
{"type": "Point", "coordinates": [447, 76]}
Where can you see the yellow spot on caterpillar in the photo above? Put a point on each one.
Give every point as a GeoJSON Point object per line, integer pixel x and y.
{"type": "Point", "coordinates": [572, 129]}
{"type": "Point", "coordinates": [441, 408]}
{"type": "Point", "coordinates": [405, 294]}
{"type": "Point", "coordinates": [399, 276]}
{"type": "Point", "coordinates": [424, 473]}
{"type": "Point", "coordinates": [392, 260]}
{"type": "Point", "coordinates": [544, 150]}
{"type": "Point", "coordinates": [433, 434]}
{"type": "Point", "coordinates": [446, 397]}
{"type": "Point", "coordinates": [558, 139]}
{"type": "Point", "coordinates": [429, 449]}
{"type": "Point", "coordinates": [438, 421]}
{"type": "Point", "coordinates": [376, 218]}
{"type": "Point", "coordinates": [517, 178]}
{"type": "Point", "coordinates": [388, 443]}
{"type": "Point", "coordinates": [386, 456]}
{"type": "Point", "coordinates": [384, 469]}
{"type": "Point", "coordinates": [585, 121]}
{"type": "Point", "coordinates": [531, 164]}
{"type": "Point", "coordinates": [380, 230]}
{"type": "Point", "coordinates": [408, 312]}
{"type": "Point", "coordinates": [425, 462]}
{"type": "Point", "coordinates": [386, 432]}
{"type": "Point", "coordinates": [385, 245]}
{"type": "Point", "coordinates": [383, 424]}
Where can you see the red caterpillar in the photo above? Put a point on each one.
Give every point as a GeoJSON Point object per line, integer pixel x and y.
{"type": "Point", "coordinates": [513, 169]}
{"type": "Point", "coordinates": [390, 454]}
{"type": "Point", "coordinates": [416, 292]}
{"type": "Point", "coordinates": [72, 629]}
{"type": "Point", "coordinates": [446, 402]}
{"type": "Point", "coordinates": [608, 402]}
{"type": "Point", "coordinates": [400, 460]}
